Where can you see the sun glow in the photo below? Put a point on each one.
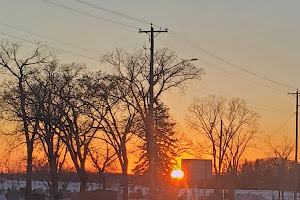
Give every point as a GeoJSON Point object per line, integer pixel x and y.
{"type": "Point", "coordinates": [177, 174]}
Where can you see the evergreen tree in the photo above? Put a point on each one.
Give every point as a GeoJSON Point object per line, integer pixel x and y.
{"type": "Point", "coordinates": [166, 143]}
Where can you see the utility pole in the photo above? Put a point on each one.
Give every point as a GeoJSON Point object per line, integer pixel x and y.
{"type": "Point", "coordinates": [150, 122]}
{"type": "Point", "coordinates": [220, 149]}
{"type": "Point", "coordinates": [296, 150]}
{"type": "Point", "coordinates": [220, 191]}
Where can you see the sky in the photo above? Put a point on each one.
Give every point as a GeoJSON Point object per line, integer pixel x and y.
{"type": "Point", "coordinates": [248, 49]}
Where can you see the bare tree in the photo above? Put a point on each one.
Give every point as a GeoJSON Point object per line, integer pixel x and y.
{"type": "Point", "coordinates": [45, 113]}
{"type": "Point", "coordinates": [82, 111]}
{"type": "Point", "coordinates": [279, 155]}
{"type": "Point", "coordinates": [20, 69]}
{"type": "Point", "coordinates": [133, 73]}
{"type": "Point", "coordinates": [226, 128]}
{"type": "Point", "coordinates": [282, 150]}
{"type": "Point", "coordinates": [119, 125]}
{"type": "Point", "coordinates": [204, 115]}
{"type": "Point", "coordinates": [74, 127]}
{"type": "Point", "coordinates": [117, 121]}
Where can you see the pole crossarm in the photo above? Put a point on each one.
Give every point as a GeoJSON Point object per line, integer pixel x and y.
{"type": "Point", "coordinates": [160, 31]}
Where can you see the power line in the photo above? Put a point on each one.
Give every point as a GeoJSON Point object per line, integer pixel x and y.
{"type": "Point", "coordinates": [282, 126]}
{"type": "Point", "coordinates": [46, 37]}
{"type": "Point", "coordinates": [220, 69]}
{"type": "Point", "coordinates": [172, 46]}
{"type": "Point", "coordinates": [242, 78]}
{"type": "Point", "coordinates": [267, 110]}
{"type": "Point", "coordinates": [119, 14]}
{"type": "Point", "coordinates": [114, 12]}
{"type": "Point", "coordinates": [197, 90]}
{"type": "Point", "coordinates": [272, 111]}
{"type": "Point", "coordinates": [94, 16]}
{"type": "Point", "coordinates": [172, 33]}
{"type": "Point", "coordinates": [54, 48]}
{"type": "Point", "coordinates": [234, 75]}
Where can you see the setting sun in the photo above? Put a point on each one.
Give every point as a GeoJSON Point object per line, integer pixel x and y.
{"type": "Point", "coordinates": [177, 174]}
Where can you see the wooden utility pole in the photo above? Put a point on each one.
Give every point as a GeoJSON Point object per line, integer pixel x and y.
{"type": "Point", "coordinates": [150, 122]}
{"type": "Point", "coordinates": [220, 191]}
{"type": "Point", "coordinates": [296, 150]}
{"type": "Point", "coordinates": [220, 149]}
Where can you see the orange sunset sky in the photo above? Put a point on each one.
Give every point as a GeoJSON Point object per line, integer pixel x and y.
{"type": "Point", "coordinates": [248, 49]}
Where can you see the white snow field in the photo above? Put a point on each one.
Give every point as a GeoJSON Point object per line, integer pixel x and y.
{"type": "Point", "coordinates": [191, 193]}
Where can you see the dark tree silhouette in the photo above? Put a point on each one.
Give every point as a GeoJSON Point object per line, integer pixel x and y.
{"type": "Point", "coordinates": [77, 126]}
{"type": "Point", "coordinates": [117, 123]}
{"type": "Point", "coordinates": [119, 126]}
{"type": "Point", "coordinates": [264, 174]}
{"type": "Point", "coordinates": [14, 95]}
{"type": "Point", "coordinates": [280, 154]}
{"type": "Point", "coordinates": [45, 112]}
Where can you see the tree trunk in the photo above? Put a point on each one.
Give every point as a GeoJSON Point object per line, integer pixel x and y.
{"type": "Point", "coordinates": [102, 180]}
{"type": "Point", "coordinates": [29, 171]}
{"type": "Point", "coordinates": [104, 184]}
{"type": "Point", "coordinates": [54, 177]}
{"type": "Point", "coordinates": [83, 180]}
{"type": "Point", "coordinates": [217, 188]}
{"type": "Point", "coordinates": [231, 189]}
{"type": "Point", "coordinates": [125, 186]}
{"type": "Point", "coordinates": [125, 176]}
{"type": "Point", "coordinates": [29, 142]}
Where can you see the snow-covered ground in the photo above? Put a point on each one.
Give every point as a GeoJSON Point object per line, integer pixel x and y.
{"type": "Point", "coordinates": [75, 187]}
{"type": "Point", "coordinates": [17, 184]}
{"type": "Point", "coordinates": [268, 194]}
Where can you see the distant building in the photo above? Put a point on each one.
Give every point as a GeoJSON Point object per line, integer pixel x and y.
{"type": "Point", "coordinates": [196, 171]}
